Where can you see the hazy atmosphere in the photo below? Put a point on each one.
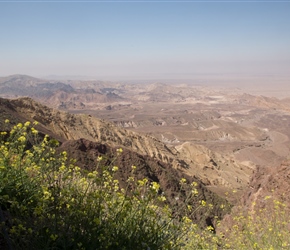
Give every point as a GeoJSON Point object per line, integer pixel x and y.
{"type": "Point", "coordinates": [127, 40]}
{"type": "Point", "coordinates": [144, 124]}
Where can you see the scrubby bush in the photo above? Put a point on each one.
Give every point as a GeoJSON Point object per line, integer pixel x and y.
{"type": "Point", "coordinates": [46, 202]}
{"type": "Point", "coordinates": [49, 203]}
{"type": "Point", "coordinates": [259, 227]}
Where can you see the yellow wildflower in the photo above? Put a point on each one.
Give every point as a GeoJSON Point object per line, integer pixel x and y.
{"type": "Point", "coordinates": [115, 169]}
{"type": "Point", "coordinates": [155, 186]}
{"type": "Point", "coordinates": [182, 181]}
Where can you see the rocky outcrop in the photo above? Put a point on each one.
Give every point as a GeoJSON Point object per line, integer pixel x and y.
{"type": "Point", "coordinates": [268, 191]}
{"type": "Point", "coordinates": [270, 182]}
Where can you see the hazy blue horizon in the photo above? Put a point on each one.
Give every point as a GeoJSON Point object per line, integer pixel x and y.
{"type": "Point", "coordinates": [145, 40]}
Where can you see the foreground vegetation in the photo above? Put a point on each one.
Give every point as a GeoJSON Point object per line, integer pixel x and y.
{"type": "Point", "coordinates": [265, 226]}
{"type": "Point", "coordinates": [49, 203]}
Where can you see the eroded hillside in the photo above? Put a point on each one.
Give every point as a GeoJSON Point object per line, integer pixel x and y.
{"type": "Point", "coordinates": [85, 139]}
{"type": "Point", "coordinates": [211, 168]}
{"type": "Point", "coordinates": [218, 134]}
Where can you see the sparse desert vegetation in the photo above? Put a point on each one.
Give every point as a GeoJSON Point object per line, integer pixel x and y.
{"type": "Point", "coordinates": [233, 151]}
{"type": "Point", "coordinates": [49, 203]}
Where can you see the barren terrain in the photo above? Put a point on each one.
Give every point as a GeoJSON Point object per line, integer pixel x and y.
{"type": "Point", "coordinates": [218, 134]}
{"type": "Point", "coordinates": [241, 130]}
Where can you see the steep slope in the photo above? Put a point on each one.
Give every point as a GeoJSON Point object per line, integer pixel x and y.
{"type": "Point", "coordinates": [267, 195]}
{"type": "Point", "coordinates": [9, 111]}
{"type": "Point", "coordinates": [214, 170]}
{"type": "Point", "coordinates": [66, 127]}
{"type": "Point", "coordinates": [71, 127]}
{"type": "Point", "coordinates": [272, 182]}
{"type": "Point", "coordinates": [86, 154]}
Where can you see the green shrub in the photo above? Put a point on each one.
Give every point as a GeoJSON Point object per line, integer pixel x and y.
{"type": "Point", "coordinates": [48, 203]}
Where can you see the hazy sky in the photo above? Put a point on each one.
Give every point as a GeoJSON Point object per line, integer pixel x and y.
{"type": "Point", "coordinates": [144, 39]}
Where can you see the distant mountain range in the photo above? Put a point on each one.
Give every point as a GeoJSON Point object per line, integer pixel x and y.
{"type": "Point", "coordinates": [53, 93]}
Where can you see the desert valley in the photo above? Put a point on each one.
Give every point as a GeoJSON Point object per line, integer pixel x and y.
{"type": "Point", "coordinates": [235, 144]}
{"type": "Point", "coordinates": [220, 134]}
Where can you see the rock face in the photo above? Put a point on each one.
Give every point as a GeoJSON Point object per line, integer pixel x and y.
{"type": "Point", "coordinates": [271, 182]}
{"type": "Point", "coordinates": [267, 185]}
